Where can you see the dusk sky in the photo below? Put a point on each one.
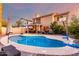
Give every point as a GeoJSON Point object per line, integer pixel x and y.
{"type": "Point", "coordinates": [28, 10]}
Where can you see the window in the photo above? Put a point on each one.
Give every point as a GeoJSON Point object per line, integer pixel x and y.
{"type": "Point", "coordinates": [37, 21]}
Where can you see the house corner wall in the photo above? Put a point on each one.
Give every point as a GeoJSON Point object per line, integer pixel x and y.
{"type": "Point", "coordinates": [0, 18]}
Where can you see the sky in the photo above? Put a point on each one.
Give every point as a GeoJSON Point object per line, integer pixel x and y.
{"type": "Point", "coordinates": [28, 10]}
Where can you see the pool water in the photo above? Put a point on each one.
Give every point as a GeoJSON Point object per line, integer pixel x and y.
{"type": "Point", "coordinates": [39, 41]}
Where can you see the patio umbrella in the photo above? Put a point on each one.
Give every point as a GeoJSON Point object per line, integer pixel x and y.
{"type": "Point", "coordinates": [9, 28]}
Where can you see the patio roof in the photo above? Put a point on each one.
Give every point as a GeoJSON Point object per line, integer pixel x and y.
{"type": "Point", "coordinates": [44, 15]}
{"type": "Point", "coordinates": [62, 14]}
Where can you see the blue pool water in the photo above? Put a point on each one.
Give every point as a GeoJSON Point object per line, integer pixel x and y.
{"type": "Point", "coordinates": [39, 41]}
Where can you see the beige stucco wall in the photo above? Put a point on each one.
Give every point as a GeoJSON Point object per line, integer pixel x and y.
{"type": "Point", "coordinates": [16, 30]}
{"type": "Point", "coordinates": [68, 18]}
{"type": "Point", "coordinates": [3, 30]}
{"type": "Point", "coordinates": [46, 21]}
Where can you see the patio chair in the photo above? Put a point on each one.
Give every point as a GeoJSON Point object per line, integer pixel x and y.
{"type": "Point", "coordinates": [50, 32]}
{"type": "Point", "coordinates": [11, 51]}
{"type": "Point", "coordinates": [2, 53]}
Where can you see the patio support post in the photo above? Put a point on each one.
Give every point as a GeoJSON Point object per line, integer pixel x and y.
{"type": "Point", "coordinates": [27, 27]}
{"type": "Point", "coordinates": [66, 28]}
{"type": "Point", "coordinates": [39, 27]}
{"type": "Point", "coordinates": [52, 18]}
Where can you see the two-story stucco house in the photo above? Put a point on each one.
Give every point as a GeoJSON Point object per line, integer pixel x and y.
{"type": "Point", "coordinates": [42, 23]}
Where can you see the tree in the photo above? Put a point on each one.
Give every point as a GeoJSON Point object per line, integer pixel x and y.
{"type": "Point", "coordinates": [74, 26]}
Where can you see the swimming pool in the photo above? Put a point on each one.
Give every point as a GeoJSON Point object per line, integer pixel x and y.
{"type": "Point", "coordinates": [39, 41]}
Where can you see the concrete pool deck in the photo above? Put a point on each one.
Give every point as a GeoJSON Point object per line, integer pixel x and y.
{"type": "Point", "coordinates": [40, 50]}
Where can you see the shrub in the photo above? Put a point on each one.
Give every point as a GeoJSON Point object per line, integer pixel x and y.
{"type": "Point", "coordinates": [74, 27]}
{"type": "Point", "coordinates": [57, 29]}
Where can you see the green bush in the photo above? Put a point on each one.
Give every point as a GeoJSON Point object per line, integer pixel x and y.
{"type": "Point", "coordinates": [74, 27]}
{"type": "Point", "coordinates": [57, 29]}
